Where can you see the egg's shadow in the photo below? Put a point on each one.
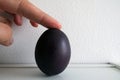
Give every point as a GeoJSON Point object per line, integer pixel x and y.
{"type": "Point", "coordinates": [34, 73]}
{"type": "Point", "coordinates": [40, 75]}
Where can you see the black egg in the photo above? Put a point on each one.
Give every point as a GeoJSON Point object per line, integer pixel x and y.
{"type": "Point", "coordinates": [52, 52]}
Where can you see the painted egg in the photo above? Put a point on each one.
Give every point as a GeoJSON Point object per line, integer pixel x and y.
{"type": "Point", "coordinates": [52, 52]}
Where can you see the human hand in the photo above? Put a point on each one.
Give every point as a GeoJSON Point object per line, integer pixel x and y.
{"type": "Point", "coordinates": [19, 8]}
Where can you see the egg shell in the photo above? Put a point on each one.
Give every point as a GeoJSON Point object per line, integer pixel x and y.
{"type": "Point", "coordinates": [52, 52]}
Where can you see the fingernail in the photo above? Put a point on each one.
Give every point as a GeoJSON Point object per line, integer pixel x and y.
{"type": "Point", "coordinates": [59, 26]}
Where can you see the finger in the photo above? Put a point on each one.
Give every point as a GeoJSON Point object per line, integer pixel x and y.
{"type": "Point", "coordinates": [28, 10]}
{"type": "Point", "coordinates": [18, 19]}
{"type": "Point", "coordinates": [5, 31]}
{"type": "Point", "coordinates": [34, 23]}
{"type": "Point", "coordinates": [7, 43]}
{"type": "Point", "coordinates": [10, 5]}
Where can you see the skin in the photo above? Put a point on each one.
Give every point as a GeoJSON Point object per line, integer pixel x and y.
{"type": "Point", "coordinates": [18, 9]}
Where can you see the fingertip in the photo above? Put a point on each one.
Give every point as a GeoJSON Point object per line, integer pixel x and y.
{"type": "Point", "coordinates": [55, 24]}
{"type": "Point", "coordinates": [59, 26]}
{"type": "Point", "coordinates": [18, 20]}
{"type": "Point", "coordinates": [50, 22]}
{"type": "Point", "coordinates": [7, 43]}
{"type": "Point", "coordinates": [34, 24]}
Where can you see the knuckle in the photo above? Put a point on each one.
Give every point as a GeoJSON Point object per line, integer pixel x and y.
{"type": "Point", "coordinates": [6, 18]}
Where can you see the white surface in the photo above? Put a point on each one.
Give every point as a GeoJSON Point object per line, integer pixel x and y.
{"type": "Point", "coordinates": [71, 73]}
{"type": "Point", "coordinates": [69, 65]}
{"type": "Point", "coordinates": [91, 25]}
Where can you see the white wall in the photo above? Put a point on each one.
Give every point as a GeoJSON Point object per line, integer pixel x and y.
{"type": "Point", "coordinates": [108, 28]}
{"type": "Point", "coordinates": [92, 27]}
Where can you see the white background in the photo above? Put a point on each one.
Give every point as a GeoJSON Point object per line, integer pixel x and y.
{"type": "Point", "coordinates": [92, 26]}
